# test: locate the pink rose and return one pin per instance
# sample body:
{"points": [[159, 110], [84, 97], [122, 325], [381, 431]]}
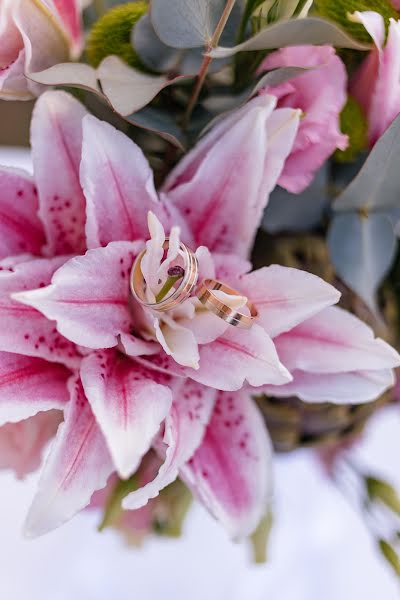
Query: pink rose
{"points": [[321, 95], [35, 35], [376, 85]]}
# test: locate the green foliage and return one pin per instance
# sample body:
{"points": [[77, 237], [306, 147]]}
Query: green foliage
{"points": [[384, 492], [390, 555], [112, 35], [337, 10], [353, 123]]}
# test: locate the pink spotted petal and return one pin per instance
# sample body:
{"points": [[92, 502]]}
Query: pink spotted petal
{"points": [[128, 404], [20, 228], [285, 297], [334, 341], [56, 136], [223, 185], [118, 184], [24, 329], [184, 431], [79, 464], [88, 296], [231, 472], [30, 385], [339, 388], [237, 356], [22, 444]]}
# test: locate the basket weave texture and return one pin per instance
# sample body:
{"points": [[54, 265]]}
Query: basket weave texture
{"points": [[291, 422]]}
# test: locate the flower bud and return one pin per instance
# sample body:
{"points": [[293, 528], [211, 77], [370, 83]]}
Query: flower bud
{"points": [[111, 34]]}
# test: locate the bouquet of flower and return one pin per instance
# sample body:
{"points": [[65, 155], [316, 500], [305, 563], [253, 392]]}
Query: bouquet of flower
{"points": [[202, 269]]}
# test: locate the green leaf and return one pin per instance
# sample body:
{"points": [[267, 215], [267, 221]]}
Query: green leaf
{"points": [[362, 250], [377, 185], [294, 32], [353, 122], [188, 23], [126, 90]]}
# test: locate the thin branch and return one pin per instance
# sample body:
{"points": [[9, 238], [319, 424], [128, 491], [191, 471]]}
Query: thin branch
{"points": [[213, 43]]}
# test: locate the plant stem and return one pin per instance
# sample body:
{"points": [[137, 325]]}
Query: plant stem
{"points": [[213, 43]]}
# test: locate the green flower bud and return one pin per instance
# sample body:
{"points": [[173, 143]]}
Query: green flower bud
{"points": [[337, 10], [353, 123], [111, 34]]}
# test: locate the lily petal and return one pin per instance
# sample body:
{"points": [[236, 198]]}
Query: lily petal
{"points": [[177, 341], [88, 296], [334, 341], [184, 432], [339, 388], [239, 356], [79, 464], [128, 404], [22, 444], [20, 228], [118, 184], [285, 297], [25, 330], [231, 471], [30, 385], [223, 185], [56, 136]]}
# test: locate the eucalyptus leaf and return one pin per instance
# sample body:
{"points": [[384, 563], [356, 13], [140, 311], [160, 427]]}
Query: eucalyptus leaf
{"points": [[297, 212], [224, 104], [69, 74], [377, 185], [126, 90], [159, 122], [294, 32], [152, 51], [186, 23], [362, 249], [159, 57]]}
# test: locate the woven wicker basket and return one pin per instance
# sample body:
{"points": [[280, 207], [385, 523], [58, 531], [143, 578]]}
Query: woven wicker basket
{"points": [[291, 422]]}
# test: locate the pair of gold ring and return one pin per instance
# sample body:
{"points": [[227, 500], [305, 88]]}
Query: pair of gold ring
{"points": [[205, 292]]}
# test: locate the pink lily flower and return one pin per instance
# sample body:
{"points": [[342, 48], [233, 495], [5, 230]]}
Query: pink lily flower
{"points": [[376, 85], [181, 383], [34, 35], [321, 95]]}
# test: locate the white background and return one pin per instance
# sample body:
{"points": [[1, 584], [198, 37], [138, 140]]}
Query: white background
{"points": [[319, 550]]}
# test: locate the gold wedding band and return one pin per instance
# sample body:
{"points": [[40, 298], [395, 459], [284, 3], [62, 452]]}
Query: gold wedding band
{"points": [[179, 295], [206, 295]]}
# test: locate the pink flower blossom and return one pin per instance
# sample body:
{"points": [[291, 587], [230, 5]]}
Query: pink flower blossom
{"points": [[376, 85], [34, 35], [181, 383], [321, 95]]}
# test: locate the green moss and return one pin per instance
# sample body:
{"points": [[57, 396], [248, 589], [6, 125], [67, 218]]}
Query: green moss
{"points": [[337, 10], [353, 123], [111, 35]]}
